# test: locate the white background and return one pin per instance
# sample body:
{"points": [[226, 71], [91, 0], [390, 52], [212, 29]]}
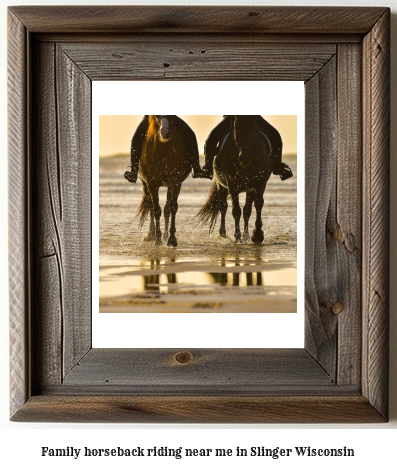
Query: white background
{"points": [[20, 443], [123, 98]]}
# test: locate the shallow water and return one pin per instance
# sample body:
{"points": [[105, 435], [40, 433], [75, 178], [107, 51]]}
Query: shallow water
{"points": [[162, 277], [130, 267]]}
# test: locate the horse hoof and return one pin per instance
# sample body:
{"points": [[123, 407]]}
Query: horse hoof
{"points": [[238, 240], [158, 242], [246, 237], [148, 238], [172, 242], [257, 237]]}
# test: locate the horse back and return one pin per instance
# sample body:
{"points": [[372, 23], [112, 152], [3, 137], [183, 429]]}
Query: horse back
{"points": [[230, 174]]}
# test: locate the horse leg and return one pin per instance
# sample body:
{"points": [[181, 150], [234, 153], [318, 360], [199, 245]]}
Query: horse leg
{"points": [[236, 212], [154, 193], [173, 209], [151, 233], [167, 213], [150, 236], [258, 235], [222, 198], [247, 210]]}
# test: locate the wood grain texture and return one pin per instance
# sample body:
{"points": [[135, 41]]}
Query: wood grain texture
{"points": [[199, 59], [48, 243], [243, 37], [199, 409], [376, 91], [18, 182], [197, 19], [229, 370], [347, 225], [321, 269], [62, 205], [74, 147], [338, 377]]}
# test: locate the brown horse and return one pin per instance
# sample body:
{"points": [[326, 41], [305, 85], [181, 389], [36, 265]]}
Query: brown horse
{"points": [[243, 164], [164, 162]]}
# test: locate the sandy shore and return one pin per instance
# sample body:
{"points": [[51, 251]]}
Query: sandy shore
{"points": [[217, 302]]}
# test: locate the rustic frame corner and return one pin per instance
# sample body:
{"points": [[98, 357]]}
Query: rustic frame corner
{"points": [[342, 55]]}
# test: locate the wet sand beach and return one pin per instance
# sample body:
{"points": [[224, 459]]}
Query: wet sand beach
{"points": [[204, 273]]}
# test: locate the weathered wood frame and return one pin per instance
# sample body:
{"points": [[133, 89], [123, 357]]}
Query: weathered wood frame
{"points": [[342, 54]]}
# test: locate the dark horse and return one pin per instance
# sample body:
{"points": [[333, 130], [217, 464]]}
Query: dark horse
{"points": [[163, 162], [243, 164]]}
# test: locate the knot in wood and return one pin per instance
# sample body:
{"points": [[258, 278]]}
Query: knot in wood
{"points": [[337, 308], [338, 235], [183, 358]]}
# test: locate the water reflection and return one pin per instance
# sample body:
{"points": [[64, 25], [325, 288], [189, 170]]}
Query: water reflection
{"points": [[162, 276], [167, 282], [237, 279], [181, 281]]}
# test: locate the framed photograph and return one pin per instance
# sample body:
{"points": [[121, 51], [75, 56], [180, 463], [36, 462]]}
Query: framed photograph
{"points": [[60, 60]]}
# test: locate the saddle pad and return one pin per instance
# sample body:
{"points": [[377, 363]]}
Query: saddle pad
{"points": [[267, 139], [223, 142]]}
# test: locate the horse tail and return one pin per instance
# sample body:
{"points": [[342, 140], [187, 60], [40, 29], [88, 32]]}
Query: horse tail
{"points": [[152, 128], [210, 211], [144, 209]]}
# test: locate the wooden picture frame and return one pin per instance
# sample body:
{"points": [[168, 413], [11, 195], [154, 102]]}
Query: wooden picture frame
{"points": [[342, 54]]}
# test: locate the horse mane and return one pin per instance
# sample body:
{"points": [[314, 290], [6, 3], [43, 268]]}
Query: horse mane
{"points": [[152, 129]]}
